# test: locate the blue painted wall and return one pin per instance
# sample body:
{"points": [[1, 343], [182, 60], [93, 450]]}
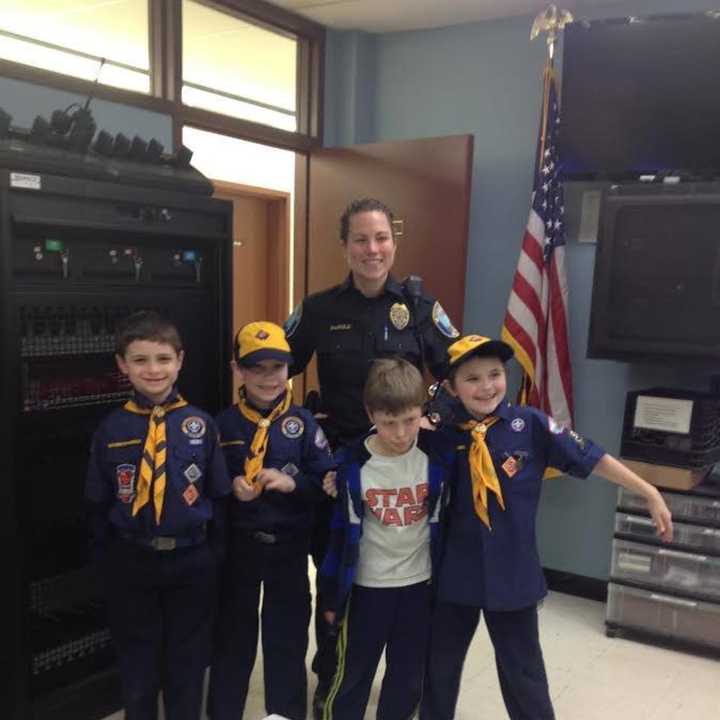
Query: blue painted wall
{"points": [[485, 79], [24, 101]]}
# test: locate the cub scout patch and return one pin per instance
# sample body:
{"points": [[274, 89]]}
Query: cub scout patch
{"points": [[518, 425], [510, 466], [442, 322], [290, 469], [194, 427], [126, 483], [192, 473], [191, 494], [321, 441], [579, 439], [292, 427]]}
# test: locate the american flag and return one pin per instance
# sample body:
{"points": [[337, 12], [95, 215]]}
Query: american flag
{"points": [[536, 321]]}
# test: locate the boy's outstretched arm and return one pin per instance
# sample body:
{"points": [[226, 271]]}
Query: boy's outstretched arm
{"points": [[614, 471]]}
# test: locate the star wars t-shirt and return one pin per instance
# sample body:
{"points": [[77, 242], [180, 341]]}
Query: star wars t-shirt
{"points": [[395, 544]]}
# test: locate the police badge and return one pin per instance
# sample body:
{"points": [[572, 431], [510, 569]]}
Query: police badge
{"points": [[399, 316]]}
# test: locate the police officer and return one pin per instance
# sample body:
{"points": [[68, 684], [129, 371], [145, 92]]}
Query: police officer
{"points": [[369, 315]]}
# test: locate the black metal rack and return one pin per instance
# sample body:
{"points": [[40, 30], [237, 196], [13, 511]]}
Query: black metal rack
{"points": [[75, 256]]}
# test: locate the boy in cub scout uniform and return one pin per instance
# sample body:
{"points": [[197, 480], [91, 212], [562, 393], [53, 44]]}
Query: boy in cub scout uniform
{"points": [[490, 561], [277, 455], [155, 477]]}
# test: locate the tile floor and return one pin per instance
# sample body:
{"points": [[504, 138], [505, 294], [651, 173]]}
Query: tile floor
{"points": [[592, 677]]}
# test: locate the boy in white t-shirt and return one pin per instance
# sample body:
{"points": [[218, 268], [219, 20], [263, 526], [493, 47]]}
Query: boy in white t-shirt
{"points": [[377, 574]]}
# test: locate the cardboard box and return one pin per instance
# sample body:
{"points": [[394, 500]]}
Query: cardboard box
{"points": [[673, 478]]}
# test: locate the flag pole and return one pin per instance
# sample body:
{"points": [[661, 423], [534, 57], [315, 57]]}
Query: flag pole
{"points": [[552, 22]]}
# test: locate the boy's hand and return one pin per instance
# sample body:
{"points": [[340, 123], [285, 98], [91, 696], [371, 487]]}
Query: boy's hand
{"points": [[329, 485], [329, 616], [243, 491], [425, 423], [272, 479], [661, 516]]}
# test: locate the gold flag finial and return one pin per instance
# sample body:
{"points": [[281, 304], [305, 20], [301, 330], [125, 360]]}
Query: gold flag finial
{"points": [[552, 21]]}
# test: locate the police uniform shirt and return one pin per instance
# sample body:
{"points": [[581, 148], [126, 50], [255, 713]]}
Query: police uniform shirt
{"points": [[349, 330], [499, 568], [195, 472], [297, 446]]}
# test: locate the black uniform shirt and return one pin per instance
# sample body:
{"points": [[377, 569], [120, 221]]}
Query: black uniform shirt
{"points": [[348, 331]]}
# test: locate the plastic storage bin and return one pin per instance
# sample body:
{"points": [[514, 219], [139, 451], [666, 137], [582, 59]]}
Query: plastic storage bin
{"points": [[666, 569], [664, 615], [694, 537], [695, 508]]}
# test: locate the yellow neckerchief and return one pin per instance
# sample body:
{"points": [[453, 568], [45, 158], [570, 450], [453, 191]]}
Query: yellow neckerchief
{"points": [[482, 470], [152, 465], [258, 447]]}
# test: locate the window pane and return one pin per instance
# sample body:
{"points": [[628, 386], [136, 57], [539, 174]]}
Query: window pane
{"points": [[237, 108], [251, 67], [73, 35]]}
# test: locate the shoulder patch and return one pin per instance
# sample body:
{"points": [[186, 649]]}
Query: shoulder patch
{"points": [[293, 322], [321, 441], [554, 426], [442, 322]]}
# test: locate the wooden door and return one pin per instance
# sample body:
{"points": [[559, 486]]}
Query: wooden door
{"points": [[261, 254], [427, 185]]}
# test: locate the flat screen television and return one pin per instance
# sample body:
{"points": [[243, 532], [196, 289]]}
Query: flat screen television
{"points": [[641, 96], [656, 285]]}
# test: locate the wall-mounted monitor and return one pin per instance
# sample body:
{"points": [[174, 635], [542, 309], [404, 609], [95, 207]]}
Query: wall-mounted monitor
{"points": [[656, 287], [641, 96]]}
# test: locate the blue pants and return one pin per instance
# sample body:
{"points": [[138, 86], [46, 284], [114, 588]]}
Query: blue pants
{"points": [[282, 570], [324, 663], [160, 607], [392, 619], [518, 659]]}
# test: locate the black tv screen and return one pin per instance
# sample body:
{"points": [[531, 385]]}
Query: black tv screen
{"points": [[656, 287], [641, 96]]}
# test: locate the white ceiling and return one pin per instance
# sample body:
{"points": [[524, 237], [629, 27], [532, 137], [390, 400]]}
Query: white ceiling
{"points": [[378, 16]]}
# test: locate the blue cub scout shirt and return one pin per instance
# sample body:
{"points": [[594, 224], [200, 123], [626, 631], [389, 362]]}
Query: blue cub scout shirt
{"points": [[298, 447], [195, 473], [499, 569]]}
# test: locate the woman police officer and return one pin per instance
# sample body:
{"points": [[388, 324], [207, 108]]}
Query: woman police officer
{"points": [[369, 315]]}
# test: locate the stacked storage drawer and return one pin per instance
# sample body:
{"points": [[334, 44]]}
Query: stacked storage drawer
{"points": [[668, 591]]}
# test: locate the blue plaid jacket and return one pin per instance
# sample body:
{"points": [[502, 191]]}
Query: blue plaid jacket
{"points": [[338, 570]]}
